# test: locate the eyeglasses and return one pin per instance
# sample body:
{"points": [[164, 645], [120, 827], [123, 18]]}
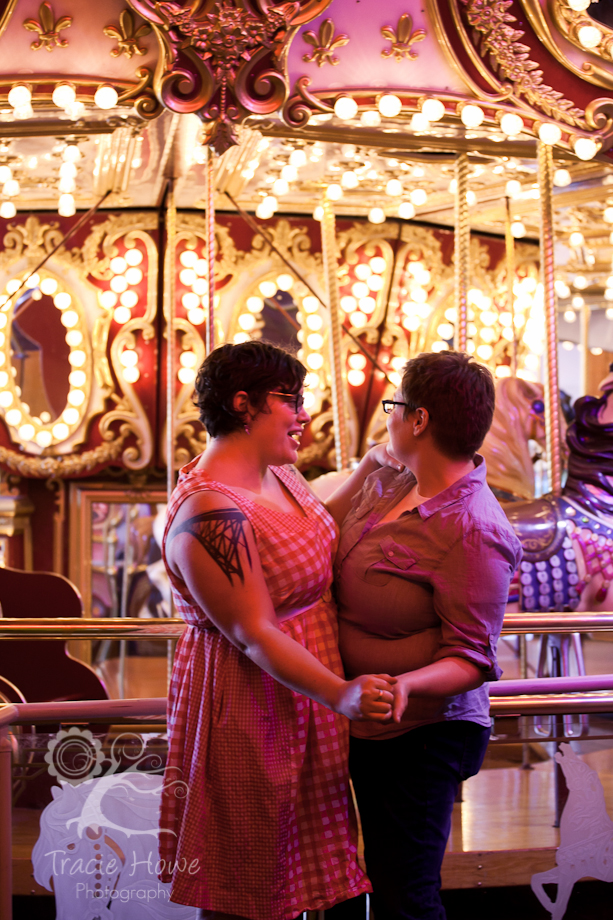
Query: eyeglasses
{"points": [[297, 397], [390, 404]]}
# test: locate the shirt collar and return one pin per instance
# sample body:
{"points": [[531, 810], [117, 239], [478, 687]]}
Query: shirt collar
{"points": [[469, 483]]}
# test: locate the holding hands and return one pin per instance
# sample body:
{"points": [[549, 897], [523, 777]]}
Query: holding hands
{"points": [[367, 698]]}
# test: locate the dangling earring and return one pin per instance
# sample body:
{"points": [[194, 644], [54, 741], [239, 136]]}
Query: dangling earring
{"points": [[247, 428]]}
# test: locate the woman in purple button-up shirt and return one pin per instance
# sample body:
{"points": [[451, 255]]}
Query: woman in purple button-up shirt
{"points": [[423, 569]]}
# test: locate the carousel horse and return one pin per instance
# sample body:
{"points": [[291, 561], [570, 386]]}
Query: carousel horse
{"points": [[586, 836], [518, 418]]}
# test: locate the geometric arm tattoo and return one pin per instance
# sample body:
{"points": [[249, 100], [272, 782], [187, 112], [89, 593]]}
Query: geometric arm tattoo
{"points": [[222, 534]]}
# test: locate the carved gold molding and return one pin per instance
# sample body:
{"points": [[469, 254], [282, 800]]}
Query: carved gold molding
{"points": [[568, 22], [500, 42], [402, 39], [224, 60], [324, 44], [48, 28]]}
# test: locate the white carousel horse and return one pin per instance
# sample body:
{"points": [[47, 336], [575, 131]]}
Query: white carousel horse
{"points": [[586, 836], [97, 850]]}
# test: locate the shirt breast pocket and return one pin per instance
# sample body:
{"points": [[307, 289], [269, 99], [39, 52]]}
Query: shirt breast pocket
{"points": [[392, 558]]}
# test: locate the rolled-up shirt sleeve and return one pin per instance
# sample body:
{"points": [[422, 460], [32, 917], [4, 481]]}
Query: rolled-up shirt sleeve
{"points": [[471, 590]]}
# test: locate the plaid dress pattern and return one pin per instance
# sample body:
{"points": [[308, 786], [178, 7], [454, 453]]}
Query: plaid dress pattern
{"points": [[257, 816]]}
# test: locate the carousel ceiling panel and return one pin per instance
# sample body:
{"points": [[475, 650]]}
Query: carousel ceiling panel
{"points": [[372, 45], [76, 40]]}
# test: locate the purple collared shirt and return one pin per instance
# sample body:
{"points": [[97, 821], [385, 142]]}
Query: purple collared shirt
{"points": [[448, 564]]}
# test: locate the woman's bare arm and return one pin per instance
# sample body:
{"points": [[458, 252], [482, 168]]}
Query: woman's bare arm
{"points": [[211, 547]]}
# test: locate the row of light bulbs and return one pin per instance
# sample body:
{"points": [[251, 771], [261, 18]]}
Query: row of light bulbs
{"points": [[471, 115], [64, 96], [120, 296]]}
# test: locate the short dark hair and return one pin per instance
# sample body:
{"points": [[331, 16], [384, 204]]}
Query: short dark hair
{"points": [[255, 367], [459, 395]]}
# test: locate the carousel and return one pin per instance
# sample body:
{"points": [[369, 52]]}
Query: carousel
{"points": [[358, 183]]}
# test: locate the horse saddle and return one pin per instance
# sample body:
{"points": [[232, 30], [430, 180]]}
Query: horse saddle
{"points": [[548, 576]]}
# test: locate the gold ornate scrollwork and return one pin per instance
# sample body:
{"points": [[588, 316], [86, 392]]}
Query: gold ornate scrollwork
{"points": [[324, 44], [500, 42], [126, 36], [402, 39], [301, 104], [224, 60], [48, 29]]}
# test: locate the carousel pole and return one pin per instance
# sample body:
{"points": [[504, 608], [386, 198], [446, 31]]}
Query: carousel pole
{"points": [[585, 347], [509, 242], [169, 274], [210, 244], [552, 401], [328, 246], [461, 251], [171, 245]]}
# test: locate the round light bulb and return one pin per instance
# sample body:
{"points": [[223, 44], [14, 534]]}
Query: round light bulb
{"points": [[66, 206], [355, 378], [280, 187], [107, 299], [562, 178], [318, 213], [608, 215], [418, 197], [585, 148], [433, 109], [135, 276], [589, 36], [6, 173], [513, 188], [550, 134], [370, 119], [133, 256], [349, 179], [196, 316], [570, 316], [62, 300], [19, 95], [71, 153], [128, 358], [394, 188], [285, 282], [472, 116], [130, 374], [271, 203], [334, 192], [518, 229], [345, 108], [389, 105], [7, 210], [376, 216], [64, 95], [511, 124], [11, 188], [406, 210], [106, 96], [576, 239], [419, 122], [268, 288], [122, 315], [298, 158]]}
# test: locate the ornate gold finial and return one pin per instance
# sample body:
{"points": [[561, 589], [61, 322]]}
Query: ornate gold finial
{"points": [[127, 38], [402, 39], [48, 30], [324, 44]]}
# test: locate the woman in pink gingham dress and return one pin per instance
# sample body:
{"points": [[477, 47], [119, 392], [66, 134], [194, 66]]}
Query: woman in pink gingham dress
{"points": [[257, 819]]}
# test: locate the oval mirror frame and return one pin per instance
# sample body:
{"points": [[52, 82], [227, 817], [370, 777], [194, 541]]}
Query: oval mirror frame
{"points": [[30, 431]]}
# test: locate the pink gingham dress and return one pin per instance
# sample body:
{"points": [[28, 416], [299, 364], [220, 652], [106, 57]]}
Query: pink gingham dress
{"points": [[257, 817]]}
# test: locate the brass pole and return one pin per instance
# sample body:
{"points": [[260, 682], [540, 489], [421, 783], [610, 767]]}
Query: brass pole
{"points": [[585, 347], [461, 251], [328, 246], [210, 255], [509, 242], [170, 271], [552, 400]]}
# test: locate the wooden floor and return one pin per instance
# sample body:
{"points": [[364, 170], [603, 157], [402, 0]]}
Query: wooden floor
{"points": [[502, 832]]}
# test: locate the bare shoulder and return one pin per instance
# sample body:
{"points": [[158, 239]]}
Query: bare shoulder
{"points": [[201, 502]]}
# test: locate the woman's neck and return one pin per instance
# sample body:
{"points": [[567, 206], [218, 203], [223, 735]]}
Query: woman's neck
{"points": [[435, 472], [235, 461]]}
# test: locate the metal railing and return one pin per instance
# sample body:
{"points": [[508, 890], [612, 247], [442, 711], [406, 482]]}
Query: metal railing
{"points": [[173, 628]]}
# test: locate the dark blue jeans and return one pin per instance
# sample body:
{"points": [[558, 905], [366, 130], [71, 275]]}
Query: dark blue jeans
{"points": [[406, 787]]}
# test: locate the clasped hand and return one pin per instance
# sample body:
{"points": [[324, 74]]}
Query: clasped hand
{"points": [[367, 698]]}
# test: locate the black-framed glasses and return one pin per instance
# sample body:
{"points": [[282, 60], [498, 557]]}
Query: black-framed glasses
{"points": [[390, 404], [297, 397]]}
